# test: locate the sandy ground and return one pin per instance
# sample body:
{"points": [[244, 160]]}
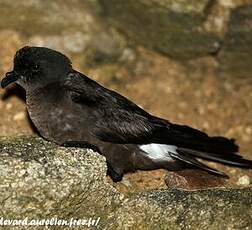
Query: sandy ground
{"points": [[193, 94]]}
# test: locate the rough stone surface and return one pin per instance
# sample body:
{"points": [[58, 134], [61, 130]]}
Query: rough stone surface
{"points": [[174, 209], [183, 6], [43, 17], [193, 179], [68, 26], [244, 180], [178, 28], [169, 26], [235, 56], [41, 180]]}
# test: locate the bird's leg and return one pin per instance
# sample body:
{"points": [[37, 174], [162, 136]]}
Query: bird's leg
{"points": [[81, 144], [115, 176]]}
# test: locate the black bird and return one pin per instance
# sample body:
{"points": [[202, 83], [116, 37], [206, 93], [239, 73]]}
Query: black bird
{"points": [[70, 109]]}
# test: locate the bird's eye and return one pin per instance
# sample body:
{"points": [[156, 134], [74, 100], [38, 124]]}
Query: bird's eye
{"points": [[35, 68]]}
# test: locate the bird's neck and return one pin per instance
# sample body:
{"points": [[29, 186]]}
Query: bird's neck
{"points": [[47, 93]]}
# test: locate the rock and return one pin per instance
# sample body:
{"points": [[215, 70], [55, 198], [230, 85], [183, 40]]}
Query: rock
{"points": [[243, 181], [235, 55], [92, 29], [71, 27], [193, 179], [169, 26], [41, 180], [174, 209], [106, 47], [44, 17], [19, 116]]}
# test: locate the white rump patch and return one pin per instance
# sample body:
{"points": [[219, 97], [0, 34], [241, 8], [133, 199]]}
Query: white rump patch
{"points": [[159, 152]]}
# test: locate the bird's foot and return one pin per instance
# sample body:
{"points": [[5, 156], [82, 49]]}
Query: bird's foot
{"points": [[115, 176]]}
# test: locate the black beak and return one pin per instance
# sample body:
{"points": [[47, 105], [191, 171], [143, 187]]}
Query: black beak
{"points": [[10, 77]]}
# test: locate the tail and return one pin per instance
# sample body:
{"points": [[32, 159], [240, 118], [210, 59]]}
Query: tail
{"points": [[188, 156], [192, 144], [191, 138]]}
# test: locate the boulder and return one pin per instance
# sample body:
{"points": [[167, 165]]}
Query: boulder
{"points": [[41, 180], [236, 52], [169, 26]]}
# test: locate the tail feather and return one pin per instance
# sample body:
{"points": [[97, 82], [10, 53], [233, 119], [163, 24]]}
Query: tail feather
{"points": [[187, 137], [231, 159], [195, 139], [198, 164], [188, 156], [192, 143]]}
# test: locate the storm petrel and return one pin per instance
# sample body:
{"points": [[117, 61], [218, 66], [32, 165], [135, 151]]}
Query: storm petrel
{"points": [[70, 109]]}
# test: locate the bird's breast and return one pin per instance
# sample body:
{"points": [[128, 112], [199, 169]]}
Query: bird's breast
{"points": [[58, 119]]}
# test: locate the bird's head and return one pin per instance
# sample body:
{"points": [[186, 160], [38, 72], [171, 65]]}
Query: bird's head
{"points": [[36, 67]]}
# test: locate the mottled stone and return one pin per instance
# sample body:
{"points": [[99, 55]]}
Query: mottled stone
{"points": [[67, 26], [193, 179], [169, 26], [243, 180], [174, 209], [41, 180], [43, 16], [235, 55]]}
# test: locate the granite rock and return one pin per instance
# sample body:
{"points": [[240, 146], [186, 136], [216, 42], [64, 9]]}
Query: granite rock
{"points": [[42, 180]]}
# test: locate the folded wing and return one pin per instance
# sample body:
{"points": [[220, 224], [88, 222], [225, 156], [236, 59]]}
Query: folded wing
{"points": [[118, 120]]}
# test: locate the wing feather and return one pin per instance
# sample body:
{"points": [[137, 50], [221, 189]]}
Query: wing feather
{"points": [[118, 119]]}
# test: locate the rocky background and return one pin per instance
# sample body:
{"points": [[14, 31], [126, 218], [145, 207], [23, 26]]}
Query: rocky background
{"points": [[186, 60]]}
